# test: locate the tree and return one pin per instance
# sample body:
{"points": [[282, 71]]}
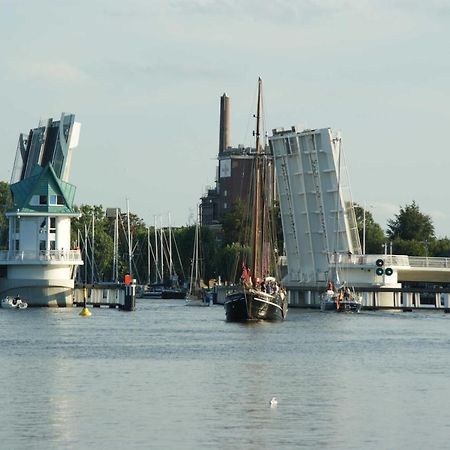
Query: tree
{"points": [[375, 237], [103, 242], [236, 224], [411, 224], [5, 204]]}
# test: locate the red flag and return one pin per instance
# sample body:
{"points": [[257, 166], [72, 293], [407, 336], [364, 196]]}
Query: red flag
{"points": [[245, 273]]}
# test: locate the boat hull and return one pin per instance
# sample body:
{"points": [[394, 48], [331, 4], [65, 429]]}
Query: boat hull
{"points": [[173, 294], [342, 306], [247, 306]]}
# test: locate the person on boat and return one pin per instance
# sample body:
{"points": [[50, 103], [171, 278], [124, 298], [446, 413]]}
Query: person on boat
{"points": [[330, 287], [347, 293], [338, 300]]}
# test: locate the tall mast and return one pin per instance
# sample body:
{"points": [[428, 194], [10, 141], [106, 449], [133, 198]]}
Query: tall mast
{"points": [[92, 247], [148, 255], [170, 249], [161, 236], [129, 241], [156, 252], [256, 191]]}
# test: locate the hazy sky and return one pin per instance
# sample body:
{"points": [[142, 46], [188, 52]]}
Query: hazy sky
{"points": [[144, 78]]}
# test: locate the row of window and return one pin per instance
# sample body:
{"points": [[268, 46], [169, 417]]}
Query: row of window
{"points": [[52, 200], [42, 245]]}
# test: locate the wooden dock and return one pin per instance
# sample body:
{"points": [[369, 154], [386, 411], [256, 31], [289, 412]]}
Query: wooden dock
{"points": [[109, 295]]}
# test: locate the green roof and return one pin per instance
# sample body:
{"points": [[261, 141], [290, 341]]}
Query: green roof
{"points": [[43, 182]]}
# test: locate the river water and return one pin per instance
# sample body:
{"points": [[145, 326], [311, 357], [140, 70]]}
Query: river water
{"points": [[169, 376]]}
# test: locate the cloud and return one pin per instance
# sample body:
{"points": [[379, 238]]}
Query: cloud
{"points": [[248, 9], [60, 72]]}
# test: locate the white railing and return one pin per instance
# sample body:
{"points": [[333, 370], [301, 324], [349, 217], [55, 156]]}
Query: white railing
{"points": [[43, 255], [391, 260], [422, 261]]}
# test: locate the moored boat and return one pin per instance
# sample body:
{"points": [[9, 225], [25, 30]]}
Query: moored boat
{"points": [[341, 300], [13, 303]]}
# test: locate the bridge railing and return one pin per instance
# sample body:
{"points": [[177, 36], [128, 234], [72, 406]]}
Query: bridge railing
{"points": [[42, 255], [391, 260]]}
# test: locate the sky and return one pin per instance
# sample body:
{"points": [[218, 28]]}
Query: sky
{"points": [[144, 78]]}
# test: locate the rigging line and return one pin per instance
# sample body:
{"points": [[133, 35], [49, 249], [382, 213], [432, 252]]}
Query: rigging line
{"points": [[179, 257], [154, 258], [251, 116]]}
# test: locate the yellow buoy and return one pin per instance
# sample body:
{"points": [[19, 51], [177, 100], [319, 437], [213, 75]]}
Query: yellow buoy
{"points": [[85, 312]]}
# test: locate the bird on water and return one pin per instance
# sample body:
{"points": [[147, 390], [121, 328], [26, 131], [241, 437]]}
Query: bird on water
{"points": [[273, 402]]}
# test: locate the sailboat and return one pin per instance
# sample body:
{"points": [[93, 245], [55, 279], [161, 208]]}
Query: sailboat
{"points": [[339, 296], [260, 296], [196, 293]]}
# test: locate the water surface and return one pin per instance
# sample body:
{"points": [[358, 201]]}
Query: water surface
{"points": [[169, 376]]}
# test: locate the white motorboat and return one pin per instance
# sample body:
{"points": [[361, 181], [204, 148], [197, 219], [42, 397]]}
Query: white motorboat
{"points": [[13, 302]]}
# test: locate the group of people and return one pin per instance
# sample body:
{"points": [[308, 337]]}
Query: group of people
{"points": [[270, 287], [343, 292]]}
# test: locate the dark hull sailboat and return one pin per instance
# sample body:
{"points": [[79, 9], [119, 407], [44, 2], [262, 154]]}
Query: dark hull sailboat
{"points": [[251, 304], [261, 296]]}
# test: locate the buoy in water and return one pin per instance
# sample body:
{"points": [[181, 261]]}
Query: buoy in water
{"points": [[85, 312]]}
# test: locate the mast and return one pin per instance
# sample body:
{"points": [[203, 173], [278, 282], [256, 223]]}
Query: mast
{"points": [[156, 252], [148, 256], [92, 248], [170, 249], [161, 236], [129, 240], [256, 192]]}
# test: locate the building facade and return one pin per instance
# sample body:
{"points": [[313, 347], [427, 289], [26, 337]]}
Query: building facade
{"points": [[40, 263]]}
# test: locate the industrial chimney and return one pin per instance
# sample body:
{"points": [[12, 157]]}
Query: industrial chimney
{"points": [[224, 130]]}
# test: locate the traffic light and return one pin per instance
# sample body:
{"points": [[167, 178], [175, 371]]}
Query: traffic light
{"points": [[380, 271]]}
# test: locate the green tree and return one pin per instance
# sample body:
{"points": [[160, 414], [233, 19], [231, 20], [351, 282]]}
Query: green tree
{"points": [[230, 260], [375, 237], [103, 242], [410, 247], [236, 224], [5, 204], [411, 224], [440, 247]]}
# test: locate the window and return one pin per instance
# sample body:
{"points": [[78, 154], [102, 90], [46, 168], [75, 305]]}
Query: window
{"points": [[42, 245], [42, 199], [55, 199], [225, 206], [17, 225], [225, 193], [52, 225], [16, 245], [52, 245]]}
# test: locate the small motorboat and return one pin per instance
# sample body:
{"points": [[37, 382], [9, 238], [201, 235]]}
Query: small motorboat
{"points": [[13, 302]]}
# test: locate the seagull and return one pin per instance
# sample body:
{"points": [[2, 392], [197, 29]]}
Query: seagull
{"points": [[273, 402]]}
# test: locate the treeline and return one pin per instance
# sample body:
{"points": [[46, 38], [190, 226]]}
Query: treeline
{"points": [[410, 232], [93, 232]]}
